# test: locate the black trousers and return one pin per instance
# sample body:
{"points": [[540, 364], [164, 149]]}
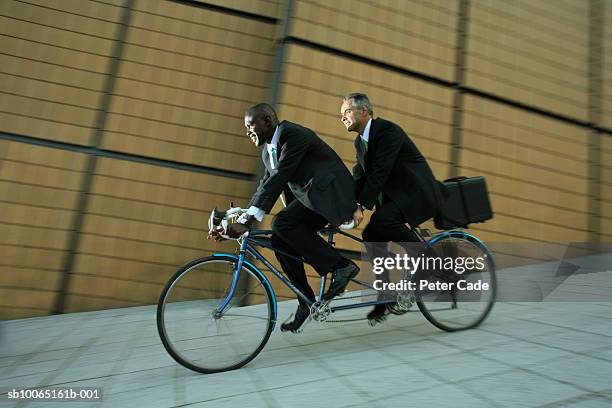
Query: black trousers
{"points": [[386, 225], [294, 230]]}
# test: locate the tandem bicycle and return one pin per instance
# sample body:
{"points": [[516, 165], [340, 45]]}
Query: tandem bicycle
{"points": [[217, 313]]}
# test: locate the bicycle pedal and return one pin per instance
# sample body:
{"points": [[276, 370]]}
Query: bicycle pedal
{"points": [[286, 321], [374, 322], [327, 302], [396, 309], [301, 329]]}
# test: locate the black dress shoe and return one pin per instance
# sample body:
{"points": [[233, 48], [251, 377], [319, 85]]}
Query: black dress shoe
{"points": [[340, 280], [301, 314], [377, 315]]}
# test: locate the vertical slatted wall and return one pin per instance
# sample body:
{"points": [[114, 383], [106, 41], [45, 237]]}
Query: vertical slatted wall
{"points": [[172, 144], [185, 76], [54, 58]]}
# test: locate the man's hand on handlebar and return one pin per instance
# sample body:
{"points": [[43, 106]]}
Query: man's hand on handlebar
{"points": [[217, 235], [358, 216], [235, 230]]}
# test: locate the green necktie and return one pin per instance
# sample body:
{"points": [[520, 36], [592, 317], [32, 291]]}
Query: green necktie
{"points": [[274, 158], [364, 143]]}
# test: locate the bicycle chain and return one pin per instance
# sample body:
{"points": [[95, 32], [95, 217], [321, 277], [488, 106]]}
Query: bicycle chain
{"points": [[350, 320], [357, 319], [345, 320]]}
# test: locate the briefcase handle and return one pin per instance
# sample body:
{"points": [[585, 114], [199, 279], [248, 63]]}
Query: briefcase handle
{"points": [[443, 188], [460, 178], [446, 193]]}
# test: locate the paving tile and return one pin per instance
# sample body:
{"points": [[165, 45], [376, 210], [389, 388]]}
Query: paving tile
{"points": [[521, 353], [525, 354], [249, 400], [520, 389], [585, 372], [380, 383], [437, 396], [324, 394], [573, 340], [590, 401], [461, 366]]}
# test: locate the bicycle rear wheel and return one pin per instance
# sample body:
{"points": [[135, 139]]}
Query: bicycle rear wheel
{"points": [[204, 327], [459, 298]]}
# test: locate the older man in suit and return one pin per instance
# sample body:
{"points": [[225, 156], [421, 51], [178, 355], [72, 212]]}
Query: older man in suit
{"points": [[319, 190], [392, 175]]}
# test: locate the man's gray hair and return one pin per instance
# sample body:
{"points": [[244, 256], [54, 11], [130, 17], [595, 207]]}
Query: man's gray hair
{"points": [[359, 100], [262, 109]]}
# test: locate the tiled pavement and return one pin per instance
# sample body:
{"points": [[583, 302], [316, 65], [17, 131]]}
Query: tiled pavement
{"points": [[525, 355]]}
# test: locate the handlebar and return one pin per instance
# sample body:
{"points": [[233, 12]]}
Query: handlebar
{"points": [[221, 220]]}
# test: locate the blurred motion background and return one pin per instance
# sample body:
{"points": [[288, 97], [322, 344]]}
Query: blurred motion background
{"points": [[121, 122]]}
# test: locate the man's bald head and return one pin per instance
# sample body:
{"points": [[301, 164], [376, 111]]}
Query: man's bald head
{"points": [[264, 110], [260, 122]]}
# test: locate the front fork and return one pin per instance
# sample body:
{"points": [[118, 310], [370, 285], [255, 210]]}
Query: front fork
{"points": [[218, 313]]}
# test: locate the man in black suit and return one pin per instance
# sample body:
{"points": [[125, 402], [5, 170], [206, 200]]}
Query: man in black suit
{"points": [[391, 175], [319, 190]]}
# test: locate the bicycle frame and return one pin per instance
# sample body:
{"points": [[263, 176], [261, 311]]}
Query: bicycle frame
{"points": [[247, 246]]}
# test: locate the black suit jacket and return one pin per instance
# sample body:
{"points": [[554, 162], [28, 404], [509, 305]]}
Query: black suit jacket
{"points": [[394, 166], [311, 171]]}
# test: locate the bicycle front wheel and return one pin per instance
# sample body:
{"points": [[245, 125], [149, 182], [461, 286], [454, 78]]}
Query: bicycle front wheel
{"points": [[211, 319], [457, 297]]}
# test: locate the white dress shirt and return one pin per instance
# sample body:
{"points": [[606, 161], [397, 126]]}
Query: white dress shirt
{"points": [[366, 132], [258, 212]]}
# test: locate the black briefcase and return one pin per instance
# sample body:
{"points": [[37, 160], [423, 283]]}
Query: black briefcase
{"points": [[466, 200]]}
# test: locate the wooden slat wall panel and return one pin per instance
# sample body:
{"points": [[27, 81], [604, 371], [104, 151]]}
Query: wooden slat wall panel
{"points": [[606, 94], [185, 78], [54, 57], [202, 17], [312, 97], [411, 34], [534, 53], [188, 76], [268, 8], [81, 7], [38, 196], [142, 223], [536, 169], [606, 188]]}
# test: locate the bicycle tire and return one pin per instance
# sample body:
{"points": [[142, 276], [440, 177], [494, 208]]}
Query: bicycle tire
{"points": [[445, 315], [185, 310]]}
